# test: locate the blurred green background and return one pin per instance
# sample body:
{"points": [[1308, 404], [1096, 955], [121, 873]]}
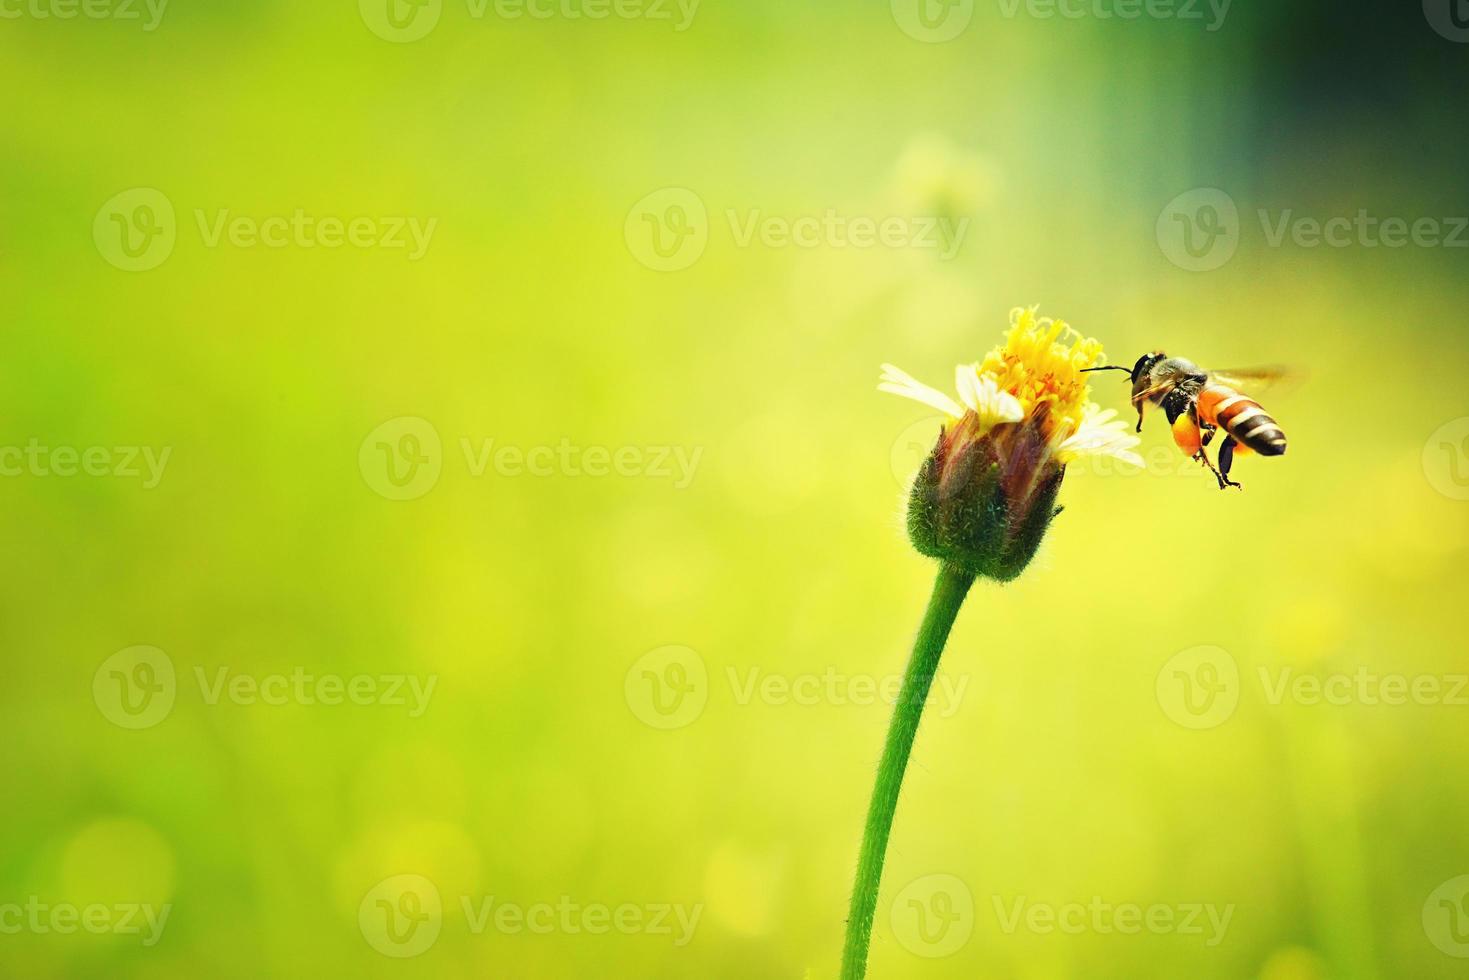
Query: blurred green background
{"points": [[654, 692]]}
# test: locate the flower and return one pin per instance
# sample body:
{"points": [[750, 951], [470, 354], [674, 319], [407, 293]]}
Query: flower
{"points": [[986, 494], [934, 176]]}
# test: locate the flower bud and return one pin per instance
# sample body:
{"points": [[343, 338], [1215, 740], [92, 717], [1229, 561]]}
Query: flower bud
{"points": [[982, 502], [986, 494]]}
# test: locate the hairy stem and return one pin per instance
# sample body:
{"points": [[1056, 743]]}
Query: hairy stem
{"points": [[948, 595]]}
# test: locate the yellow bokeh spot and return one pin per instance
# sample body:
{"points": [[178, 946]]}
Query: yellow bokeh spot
{"points": [[740, 886], [438, 850], [117, 861], [1293, 963], [412, 778], [1308, 628]]}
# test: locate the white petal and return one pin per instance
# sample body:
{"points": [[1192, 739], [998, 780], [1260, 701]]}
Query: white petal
{"points": [[1003, 406], [965, 383], [1101, 435], [898, 382], [1129, 457], [984, 397]]}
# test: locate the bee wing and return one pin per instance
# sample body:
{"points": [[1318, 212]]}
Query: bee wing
{"points": [[1147, 393], [1275, 378]]}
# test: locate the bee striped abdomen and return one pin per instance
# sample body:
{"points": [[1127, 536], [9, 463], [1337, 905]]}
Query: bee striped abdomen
{"points": [[1243, 418]]}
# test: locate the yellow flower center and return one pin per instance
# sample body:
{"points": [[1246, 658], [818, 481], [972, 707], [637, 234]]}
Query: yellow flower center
{"points": [[1040, 363]]}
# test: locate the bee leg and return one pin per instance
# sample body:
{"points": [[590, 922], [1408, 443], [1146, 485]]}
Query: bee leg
{"points": [[1139, 405], [1226, 460], [1208, 431], [1203, 457]]}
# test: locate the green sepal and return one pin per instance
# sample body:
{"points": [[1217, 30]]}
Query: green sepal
{"points": [[958, 512]]}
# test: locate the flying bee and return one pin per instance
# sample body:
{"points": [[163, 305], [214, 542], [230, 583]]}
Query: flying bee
{"points": [[1198, 403]]}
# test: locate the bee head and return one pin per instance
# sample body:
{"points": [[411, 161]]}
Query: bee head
{"points": [[1145, 364], [1139, 370]]}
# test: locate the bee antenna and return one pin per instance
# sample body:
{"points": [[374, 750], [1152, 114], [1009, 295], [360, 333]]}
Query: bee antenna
{"points": [[1109, 367]]}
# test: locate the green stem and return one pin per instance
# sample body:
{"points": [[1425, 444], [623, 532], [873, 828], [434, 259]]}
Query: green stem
{"points": [[948, 595]]}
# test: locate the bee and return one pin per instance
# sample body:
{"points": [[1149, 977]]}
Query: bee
{"points": [[1198, 403]]}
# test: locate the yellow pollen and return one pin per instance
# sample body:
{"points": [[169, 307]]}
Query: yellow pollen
{"points": [[1041, 362]]}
